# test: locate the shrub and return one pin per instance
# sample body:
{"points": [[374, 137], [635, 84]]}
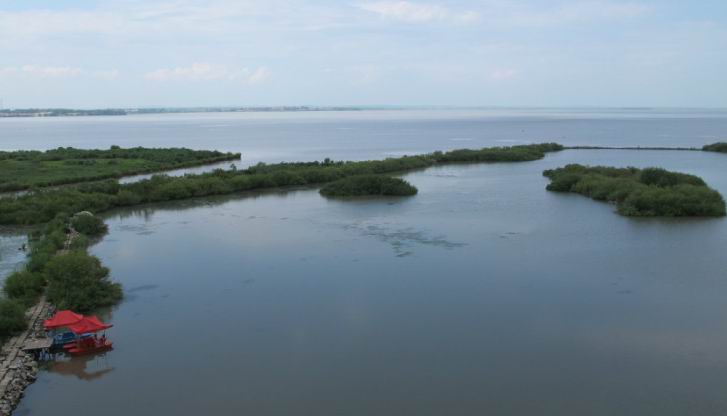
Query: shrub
{"points": [[24, 286], [89, 225], [649, 192], [664, 178], [12, 317], [368, 185], [79, 282]]}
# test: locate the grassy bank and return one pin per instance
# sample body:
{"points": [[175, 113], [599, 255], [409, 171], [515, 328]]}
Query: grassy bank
{"points": [[43, 205], [26, 169], [368, 185], [650, 192]]}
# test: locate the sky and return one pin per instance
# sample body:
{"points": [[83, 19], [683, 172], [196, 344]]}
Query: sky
{"points": [[541, 53]]}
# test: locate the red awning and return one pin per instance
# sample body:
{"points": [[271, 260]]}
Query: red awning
{"points": [[62, 318], [87, 325]]}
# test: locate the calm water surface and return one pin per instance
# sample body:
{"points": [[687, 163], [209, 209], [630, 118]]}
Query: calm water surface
{"points": [[483, 294]]}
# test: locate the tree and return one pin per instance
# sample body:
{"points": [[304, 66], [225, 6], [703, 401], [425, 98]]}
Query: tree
{"points": [[78, 281]]}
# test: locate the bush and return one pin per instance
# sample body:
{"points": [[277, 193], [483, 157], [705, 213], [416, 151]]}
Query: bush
{"points": [[368, 185], [89, 225], [12, 317], [651, 192], [663, 178], [80, 242], [24, 286], [79, 282]]}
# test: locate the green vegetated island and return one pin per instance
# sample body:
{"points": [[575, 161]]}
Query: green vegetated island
{"points": [[26, 169], [650, 192], [77, 280]]}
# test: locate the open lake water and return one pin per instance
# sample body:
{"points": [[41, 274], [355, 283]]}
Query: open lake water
{"points": [[483, 294]]}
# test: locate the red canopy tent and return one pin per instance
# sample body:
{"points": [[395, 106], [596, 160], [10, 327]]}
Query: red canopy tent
{"points": [[87, 325], [62, 318]]}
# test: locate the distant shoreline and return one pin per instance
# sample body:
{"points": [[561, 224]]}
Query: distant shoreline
{"points": [[67, 112], [70, 112]]}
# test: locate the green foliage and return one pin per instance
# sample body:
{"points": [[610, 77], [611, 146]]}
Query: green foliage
{"points": [[12, 317], [80, 242], [89, 225], [720, 147], [663, 178], [24, 286], [27, 169], [42, 206], [74, 280], [368, 185], [521, 153], [651, 192], [79, 282]]}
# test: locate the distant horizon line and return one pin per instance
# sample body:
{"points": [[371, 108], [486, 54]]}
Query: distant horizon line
{"points": [[310, 107]]}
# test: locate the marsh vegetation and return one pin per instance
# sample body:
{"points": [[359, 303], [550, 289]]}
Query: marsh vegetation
{"points": [[26, 169], [43, 205], [651, 192], [368, 185]]}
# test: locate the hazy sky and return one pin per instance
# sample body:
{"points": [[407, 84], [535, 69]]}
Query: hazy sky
{"points": [[106, 53]]}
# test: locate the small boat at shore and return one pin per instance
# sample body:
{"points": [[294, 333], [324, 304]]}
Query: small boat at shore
{"points": [[90, 345], [65, 338], [82, 338]]}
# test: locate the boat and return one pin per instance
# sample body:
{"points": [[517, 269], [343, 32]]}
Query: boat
{"points": [[87, 342], [91, 345], [64, 338]]}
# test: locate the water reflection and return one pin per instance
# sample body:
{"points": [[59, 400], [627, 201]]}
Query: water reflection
{"points": [[86, 368]]}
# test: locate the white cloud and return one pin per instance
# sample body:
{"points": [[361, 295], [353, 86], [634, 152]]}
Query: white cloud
{"points": [[40, 71], [109, 75], [416, 12], [9, 70], [259, 75], [366, 74], [51, 71], [195, 72], [501, 74], [168, 19], [577, 12], [209, 72]]}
